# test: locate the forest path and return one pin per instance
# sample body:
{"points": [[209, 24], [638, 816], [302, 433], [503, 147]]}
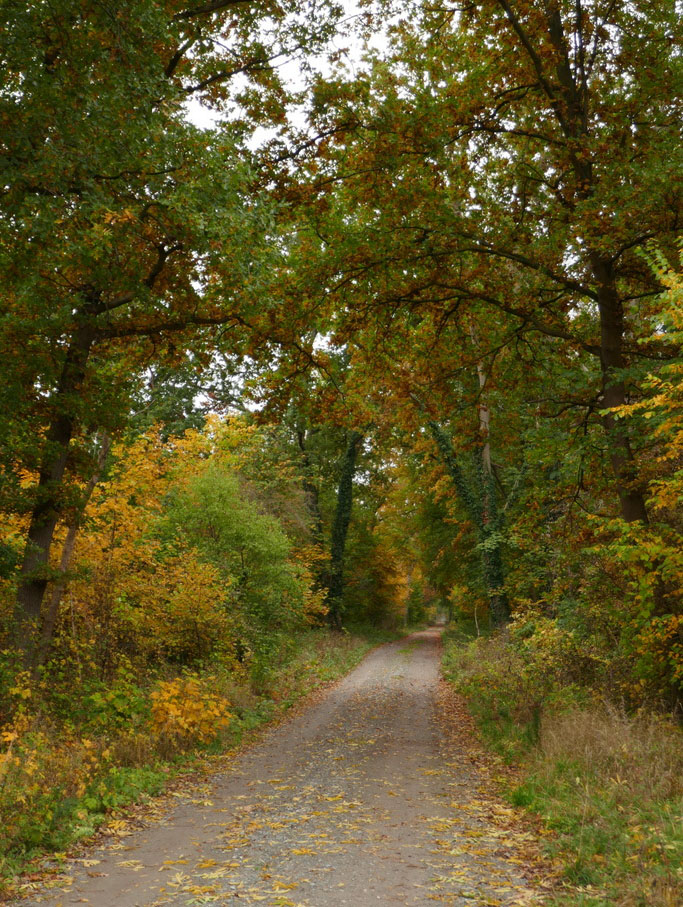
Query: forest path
{"points": [[363, 799]]}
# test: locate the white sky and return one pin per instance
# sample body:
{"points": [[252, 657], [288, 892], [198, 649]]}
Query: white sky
{"points": [[291, 70]]}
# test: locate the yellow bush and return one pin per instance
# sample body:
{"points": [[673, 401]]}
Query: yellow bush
{"points": [[185, 709]]}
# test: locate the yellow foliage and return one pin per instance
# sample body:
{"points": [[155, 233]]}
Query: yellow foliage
{"points": [[186, 709], [33, 767], [664, 403], [307, 559], [129, 595], [137, 594]]}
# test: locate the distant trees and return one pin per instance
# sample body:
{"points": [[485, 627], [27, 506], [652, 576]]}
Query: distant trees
{"points": [[477, 210]]}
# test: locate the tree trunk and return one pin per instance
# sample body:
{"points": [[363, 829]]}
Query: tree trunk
{"points": [[310, 489], [490, 541], [492, 557], [50, 619], [571, 108], [342, 517], [499, 606], [631, 496], [482, 509], [33, 575]]}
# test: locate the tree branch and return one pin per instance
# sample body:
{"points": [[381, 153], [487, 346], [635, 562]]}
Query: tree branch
{"points": [[174, 62], [165, 327], [537, 64], [567, 282], [213, 7]]}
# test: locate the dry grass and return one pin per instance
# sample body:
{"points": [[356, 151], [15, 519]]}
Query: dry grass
{"points": [[611, 784], [133, 749], [641, 755]]}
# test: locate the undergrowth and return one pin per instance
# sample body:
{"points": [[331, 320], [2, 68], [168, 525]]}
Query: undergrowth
{"points": [[608, 780], [67, 763]]}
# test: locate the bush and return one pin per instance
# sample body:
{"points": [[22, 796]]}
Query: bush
{"points": [[186, 711]]}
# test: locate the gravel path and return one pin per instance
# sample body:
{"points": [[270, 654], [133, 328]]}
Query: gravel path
{"points": [[362, 799]]}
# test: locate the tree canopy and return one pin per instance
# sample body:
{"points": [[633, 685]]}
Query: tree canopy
{"points": [[434, 272]]}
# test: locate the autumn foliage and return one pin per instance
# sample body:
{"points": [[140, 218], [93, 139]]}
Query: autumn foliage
{"points": [[402, 341]]}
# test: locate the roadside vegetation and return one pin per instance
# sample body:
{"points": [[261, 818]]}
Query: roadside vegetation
{"points": [[66, 770], [606, 778], [191, 611]]}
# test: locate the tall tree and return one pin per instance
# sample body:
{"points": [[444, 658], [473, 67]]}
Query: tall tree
{"points": [[340, 528], [522, 150], [482, 510], [123, 225]]}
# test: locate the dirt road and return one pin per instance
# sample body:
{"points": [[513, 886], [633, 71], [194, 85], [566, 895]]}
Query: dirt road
{"points": [[360, 800]]}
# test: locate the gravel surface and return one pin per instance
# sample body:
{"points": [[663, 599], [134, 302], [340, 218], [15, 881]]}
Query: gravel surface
{"points": [[362, 799]]}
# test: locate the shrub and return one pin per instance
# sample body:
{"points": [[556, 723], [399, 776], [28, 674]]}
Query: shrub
{"points": [[187, 711]]}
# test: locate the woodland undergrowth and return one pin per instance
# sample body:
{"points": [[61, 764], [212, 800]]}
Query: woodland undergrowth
{"points": [[603, 775], [64, 771]]}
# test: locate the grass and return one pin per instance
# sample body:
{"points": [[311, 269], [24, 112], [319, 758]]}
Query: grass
{"points": [[608, 783], [611, 787], [410, 647]]}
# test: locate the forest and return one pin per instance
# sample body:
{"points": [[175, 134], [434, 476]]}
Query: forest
{"points": [[321, 321]]}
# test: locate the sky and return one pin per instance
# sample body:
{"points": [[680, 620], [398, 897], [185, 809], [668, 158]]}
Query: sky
{"points": [[291, 69]]}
